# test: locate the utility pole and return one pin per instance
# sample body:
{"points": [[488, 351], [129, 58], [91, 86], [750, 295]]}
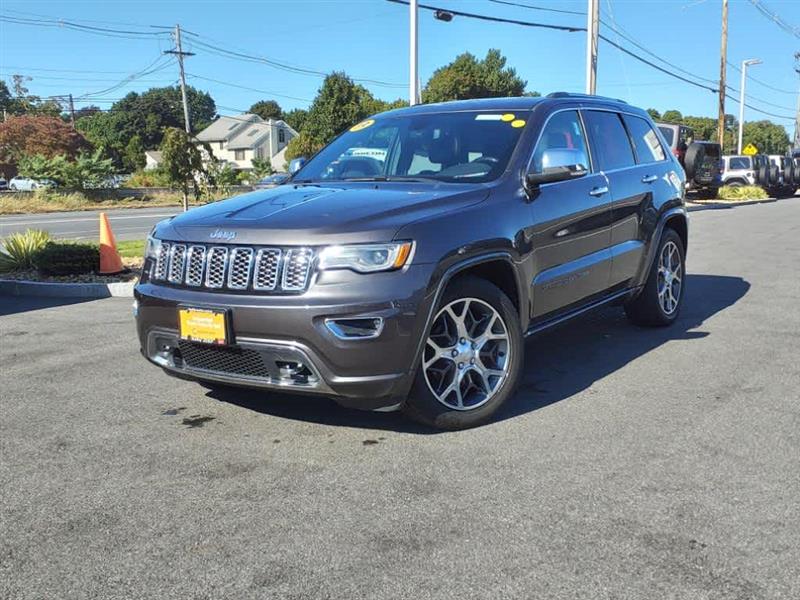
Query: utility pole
{"points": [[797, 117], [72, 111], [592, 31], [745, 64], [180, 54], [723, 62], [413, 56]]}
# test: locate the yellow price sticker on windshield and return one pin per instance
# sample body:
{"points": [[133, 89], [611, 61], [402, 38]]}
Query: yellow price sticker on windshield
{"points": [[362, 125], [518, 123], [508, 117]]}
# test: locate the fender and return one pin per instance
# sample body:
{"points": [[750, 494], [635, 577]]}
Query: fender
{"points": [[447, 276], [653, 246]]}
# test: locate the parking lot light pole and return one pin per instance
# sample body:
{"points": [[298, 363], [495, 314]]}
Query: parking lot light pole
{"points": [[745, 64]]}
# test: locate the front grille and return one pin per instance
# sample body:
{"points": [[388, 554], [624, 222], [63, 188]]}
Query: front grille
{"points": [[223, 359], [238, 268]]}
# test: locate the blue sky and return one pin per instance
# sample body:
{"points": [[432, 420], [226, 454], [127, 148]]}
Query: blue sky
{"points": [[369, 39]]}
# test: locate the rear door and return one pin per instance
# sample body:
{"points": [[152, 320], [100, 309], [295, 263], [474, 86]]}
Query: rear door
{"points": [[572, 224], [633, 164]]}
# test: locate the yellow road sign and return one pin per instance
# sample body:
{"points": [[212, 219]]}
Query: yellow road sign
{"points": [[750, 150]]}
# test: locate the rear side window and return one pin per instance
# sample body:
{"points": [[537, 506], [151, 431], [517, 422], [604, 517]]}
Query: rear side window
{"points": [[610, 142], [668, 133], [738, 162], [645, 141]]}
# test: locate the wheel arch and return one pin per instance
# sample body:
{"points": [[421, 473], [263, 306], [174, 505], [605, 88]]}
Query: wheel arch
{"points": [[675, 218]]}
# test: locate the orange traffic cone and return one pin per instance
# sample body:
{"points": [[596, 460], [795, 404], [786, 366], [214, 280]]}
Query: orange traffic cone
{"points": [[110, 262]]}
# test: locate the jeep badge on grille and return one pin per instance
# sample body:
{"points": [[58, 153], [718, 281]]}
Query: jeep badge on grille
{"points": [[221, 234]]}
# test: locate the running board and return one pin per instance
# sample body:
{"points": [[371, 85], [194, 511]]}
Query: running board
{"points": [[579, 311]]}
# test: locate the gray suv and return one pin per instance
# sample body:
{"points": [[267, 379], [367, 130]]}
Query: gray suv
{"points": [[403, 265]]}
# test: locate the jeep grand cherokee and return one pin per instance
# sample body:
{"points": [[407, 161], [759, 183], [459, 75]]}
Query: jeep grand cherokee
{"points": [[403, 265]]}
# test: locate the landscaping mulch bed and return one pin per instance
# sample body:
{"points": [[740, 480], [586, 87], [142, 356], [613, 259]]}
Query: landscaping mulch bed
{"points": [[34, 275]]}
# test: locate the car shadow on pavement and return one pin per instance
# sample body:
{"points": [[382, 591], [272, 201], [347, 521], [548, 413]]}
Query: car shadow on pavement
{"points": [[10, 305], [559, 363]]}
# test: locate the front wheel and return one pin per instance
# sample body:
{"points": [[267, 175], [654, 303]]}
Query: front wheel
{"points": [[472, 358], [660, 300]]}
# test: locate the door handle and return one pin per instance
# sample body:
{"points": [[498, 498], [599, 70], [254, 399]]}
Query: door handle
{"points": [[598, 191], [649, 178]]}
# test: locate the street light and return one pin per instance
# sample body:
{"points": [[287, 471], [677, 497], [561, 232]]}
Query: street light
{"points": [[745, 64]]}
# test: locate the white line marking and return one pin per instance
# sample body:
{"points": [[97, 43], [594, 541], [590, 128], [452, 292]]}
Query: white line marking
{"points": [[54, 222]]}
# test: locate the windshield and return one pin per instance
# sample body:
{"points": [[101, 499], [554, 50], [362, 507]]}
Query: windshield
{"points": [[453, 147]]}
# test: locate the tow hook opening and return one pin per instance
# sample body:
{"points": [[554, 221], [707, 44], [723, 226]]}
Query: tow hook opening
{"points": [[355, 328], [294, 372]]}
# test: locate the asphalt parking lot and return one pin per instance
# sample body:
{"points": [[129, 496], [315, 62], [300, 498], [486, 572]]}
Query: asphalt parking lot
{"points": [[632, 463]]}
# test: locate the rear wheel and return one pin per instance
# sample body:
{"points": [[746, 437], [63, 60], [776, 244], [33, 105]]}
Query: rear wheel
{"points": [[472, 358], [660, 301]]}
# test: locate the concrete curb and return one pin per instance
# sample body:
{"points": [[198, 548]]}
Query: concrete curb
{"points": [[122, 289], [729, 203]]}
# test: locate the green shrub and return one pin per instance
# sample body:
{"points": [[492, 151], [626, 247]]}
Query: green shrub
{"points": [[150, 178], [58, 258], [21, 250], [744, 192]]}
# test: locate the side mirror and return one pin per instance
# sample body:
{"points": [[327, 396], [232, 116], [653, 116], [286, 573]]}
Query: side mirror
{"points": [[558, 164], [296, 164]]}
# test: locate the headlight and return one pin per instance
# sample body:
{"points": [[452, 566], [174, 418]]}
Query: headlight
{"points": [[152, 248], [366, 258]]}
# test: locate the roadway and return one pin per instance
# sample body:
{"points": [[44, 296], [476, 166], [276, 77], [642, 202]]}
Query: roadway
{"points": [[127, 224]]}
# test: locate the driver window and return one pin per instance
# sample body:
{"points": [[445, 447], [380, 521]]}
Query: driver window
{"points": [[563, 131]]}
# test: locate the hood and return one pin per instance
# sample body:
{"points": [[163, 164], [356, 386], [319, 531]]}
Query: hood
{"points": [[318, 214]]}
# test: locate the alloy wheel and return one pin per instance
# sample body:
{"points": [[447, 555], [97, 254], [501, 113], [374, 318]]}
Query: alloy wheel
{"points": [[467, 354], [670, 278]]}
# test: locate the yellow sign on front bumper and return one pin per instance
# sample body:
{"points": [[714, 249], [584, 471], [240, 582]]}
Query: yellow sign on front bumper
{"points": [[203, 325]]}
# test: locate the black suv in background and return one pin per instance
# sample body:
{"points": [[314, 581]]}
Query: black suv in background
{"points": [[404, 264], [701, 161]]}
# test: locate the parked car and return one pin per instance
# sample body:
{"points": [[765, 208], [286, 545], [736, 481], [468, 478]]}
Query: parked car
{"points": [[3, 184], [26, 184], [702, 161], [272, 180], [411, 282], [739, 170], [786, 180]]}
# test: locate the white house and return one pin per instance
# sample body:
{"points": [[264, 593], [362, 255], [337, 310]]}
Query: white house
{"points": [[237, 140], [152, 159]]}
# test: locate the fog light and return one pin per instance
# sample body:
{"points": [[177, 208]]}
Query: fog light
{"points": [[359, 328], [293, 372]]}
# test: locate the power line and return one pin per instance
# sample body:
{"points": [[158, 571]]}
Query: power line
{"points": [[541, 8], [244, 87], [762, 8], [62, 24], [766, 85]]}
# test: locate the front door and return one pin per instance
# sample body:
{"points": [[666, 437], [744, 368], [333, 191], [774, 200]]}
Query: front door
{"points": [[572, 230]]}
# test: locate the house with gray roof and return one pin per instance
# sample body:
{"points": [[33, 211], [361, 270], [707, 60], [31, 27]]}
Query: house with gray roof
{"points": [[238, 139]]}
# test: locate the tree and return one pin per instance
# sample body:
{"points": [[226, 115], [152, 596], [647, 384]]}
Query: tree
{"points": [[654, 114], [765, 135], [267, 109], [182, 161], [134, 158], [262, 167], [86, 170], [296, 118], [145, 115], [29, 135], [672, 116], [467, 77], [87, 111]]}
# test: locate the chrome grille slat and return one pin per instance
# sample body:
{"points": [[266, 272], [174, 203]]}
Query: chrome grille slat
{"points": [[238, 268], [296, 269], [241, 259], [215, 267], [265, 274], [177, 260], [162, 262], [195, 265]]}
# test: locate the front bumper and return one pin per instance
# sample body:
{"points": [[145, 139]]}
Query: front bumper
{"points": [[283, 343]]}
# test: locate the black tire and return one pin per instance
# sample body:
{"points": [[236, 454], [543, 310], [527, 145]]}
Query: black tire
{"points": [[646, 309], [695, 155], [774, 175], [423, 406]]}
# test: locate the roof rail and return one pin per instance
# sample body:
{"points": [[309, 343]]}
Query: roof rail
{"points": [[585, 96]]}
